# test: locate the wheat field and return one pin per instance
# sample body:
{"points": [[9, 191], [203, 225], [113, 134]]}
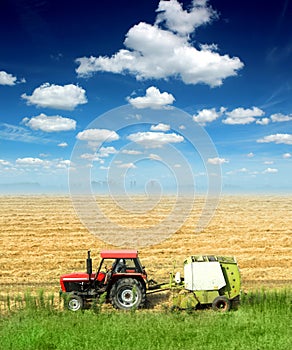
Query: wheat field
{"points": [[42, 238]]}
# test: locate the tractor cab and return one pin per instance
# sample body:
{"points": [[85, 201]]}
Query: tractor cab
{"points": [[119, 262]]}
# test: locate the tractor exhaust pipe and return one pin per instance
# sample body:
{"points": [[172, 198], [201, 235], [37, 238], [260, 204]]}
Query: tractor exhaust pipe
{"points": [[89, 264]]}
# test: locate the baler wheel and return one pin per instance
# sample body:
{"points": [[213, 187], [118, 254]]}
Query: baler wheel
{"points": [[221, 303], [128, 293], [75, 303]]}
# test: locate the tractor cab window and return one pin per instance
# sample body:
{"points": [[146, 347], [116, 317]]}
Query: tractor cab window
{"points": [[120, 266], [123, 265], [130, 265]]}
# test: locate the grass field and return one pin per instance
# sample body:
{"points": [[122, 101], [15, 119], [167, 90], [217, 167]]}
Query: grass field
{"points": [[263, 322]]}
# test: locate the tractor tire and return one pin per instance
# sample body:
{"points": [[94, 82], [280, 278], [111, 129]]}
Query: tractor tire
{"points": [[127, 294], [221, 304], [74, 303]]}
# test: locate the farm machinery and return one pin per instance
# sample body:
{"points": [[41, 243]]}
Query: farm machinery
{"points": [[209, 280]]}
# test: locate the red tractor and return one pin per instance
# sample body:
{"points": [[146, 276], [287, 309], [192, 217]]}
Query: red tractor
{"points": [[123, 283]]}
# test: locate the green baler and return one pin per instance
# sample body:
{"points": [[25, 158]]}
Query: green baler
{"points": [[208, 280]]}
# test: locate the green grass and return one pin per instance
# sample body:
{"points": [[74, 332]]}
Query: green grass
{"points": [[263, 322]]}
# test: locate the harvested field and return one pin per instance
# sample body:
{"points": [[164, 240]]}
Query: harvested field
{"points": [[42, 238]]}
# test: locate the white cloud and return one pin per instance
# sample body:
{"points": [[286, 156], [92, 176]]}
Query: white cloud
{"points": [[4, 162], [160, 127], [127, 166], [90, 156], [31, 161], [237, 171], [104, 152], [154, 156], [263, 121], [97, 135], [268, 162], [208, 115], [152, 52], [63, 144], [40, 166], [287, 155], [131, 152], [154, 139], [183, 22], [270, 171], [279, 117], [243, 116], [250, 155], [50, 124], [277, 138], [7, 78], [65, 97], [217, 161], [153, 99], [63, 164]]}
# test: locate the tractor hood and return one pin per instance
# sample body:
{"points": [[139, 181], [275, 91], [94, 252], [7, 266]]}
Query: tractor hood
{"points": [[78, 277]]}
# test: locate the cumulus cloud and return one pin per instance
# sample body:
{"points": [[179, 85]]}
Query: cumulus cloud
{"points": [[50, 124], [277, 138], [217, 161], [90, 156], [131, 152], [165, 50], [184, 22], [153, 99], [279, 117], [63, 144], [154, 139], [263, 121], [208, 115], [9, 79], [243, 116], [160, 127], [154, 156], [97, 135], [237, 171], [30, 161], [63, 164], [270, 171], [127, 166], [287, 155], [4, 162], [250, 155], [104, 152], [65, 97]]}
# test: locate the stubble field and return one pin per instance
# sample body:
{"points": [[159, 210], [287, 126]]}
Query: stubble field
{"points": [[42, 238]]}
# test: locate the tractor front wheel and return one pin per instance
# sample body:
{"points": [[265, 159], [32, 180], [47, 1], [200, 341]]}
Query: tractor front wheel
{"points": [[75, 303], [128, 293], [221, 303]]}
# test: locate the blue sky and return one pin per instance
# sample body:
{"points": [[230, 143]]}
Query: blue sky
{"points": [[65, 66]]}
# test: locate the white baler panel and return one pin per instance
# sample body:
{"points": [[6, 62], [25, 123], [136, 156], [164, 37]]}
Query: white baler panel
{"points": [[203, 276]]}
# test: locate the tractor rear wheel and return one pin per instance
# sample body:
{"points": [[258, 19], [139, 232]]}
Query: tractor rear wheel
{"points": [[75, 303], [221, 303], [128, 293]]}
